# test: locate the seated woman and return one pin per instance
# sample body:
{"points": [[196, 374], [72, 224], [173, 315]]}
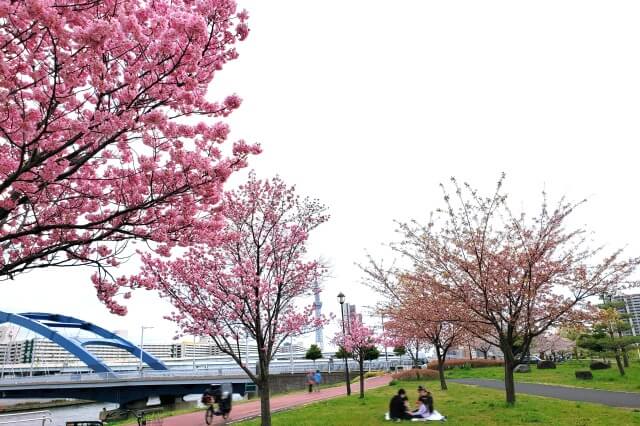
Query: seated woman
{"points": [[421, 412], [425, 409]]}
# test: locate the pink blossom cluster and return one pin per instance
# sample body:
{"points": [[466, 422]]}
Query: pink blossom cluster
{"points": [[95, 147], [356, 338]]}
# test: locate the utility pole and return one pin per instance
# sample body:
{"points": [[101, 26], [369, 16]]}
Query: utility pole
{"points": [[386, 356], [246, 347], [291, 353], [142, 329], [193, 348], [7, 351]]}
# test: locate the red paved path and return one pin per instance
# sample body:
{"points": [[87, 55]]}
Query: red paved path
{"points": [[278, 403]]}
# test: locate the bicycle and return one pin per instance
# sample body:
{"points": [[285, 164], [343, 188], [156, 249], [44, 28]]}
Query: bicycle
{"points": [[148, 417], [223, 409]]}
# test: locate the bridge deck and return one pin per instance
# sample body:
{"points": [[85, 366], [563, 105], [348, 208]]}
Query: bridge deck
{"points": [[154, 378]]}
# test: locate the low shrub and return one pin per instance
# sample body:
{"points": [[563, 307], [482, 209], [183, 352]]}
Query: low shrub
{"points": [[584, 375], [416, 374], [369, 374], [466, 363], [544, 365], [393, 382], [599, 365]]}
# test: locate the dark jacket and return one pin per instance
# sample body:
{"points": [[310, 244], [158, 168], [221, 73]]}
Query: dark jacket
{"points": [[396, 407]]}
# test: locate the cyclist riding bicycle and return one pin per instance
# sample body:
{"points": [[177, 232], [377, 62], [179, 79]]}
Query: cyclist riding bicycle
{"points": [[219, 402]]}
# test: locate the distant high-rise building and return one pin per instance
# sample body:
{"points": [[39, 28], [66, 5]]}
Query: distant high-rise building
{"points": [[350, 314], [632, 308]]}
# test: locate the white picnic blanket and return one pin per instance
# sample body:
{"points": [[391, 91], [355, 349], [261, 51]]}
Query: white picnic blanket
{"points": [[435, 416]]}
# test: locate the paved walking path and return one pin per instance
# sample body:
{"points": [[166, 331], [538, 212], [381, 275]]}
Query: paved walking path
{"points": [[614, 399], [278, 403]]}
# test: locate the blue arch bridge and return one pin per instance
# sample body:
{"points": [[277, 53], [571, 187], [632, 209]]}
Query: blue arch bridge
{"points": [[130, 390]]}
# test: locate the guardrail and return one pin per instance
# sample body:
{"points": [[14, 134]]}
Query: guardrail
{"points": [[200, 372], [117, 377], [36, 416]]}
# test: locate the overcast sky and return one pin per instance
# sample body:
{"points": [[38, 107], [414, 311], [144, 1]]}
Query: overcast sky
{"points": [[369, 105]]}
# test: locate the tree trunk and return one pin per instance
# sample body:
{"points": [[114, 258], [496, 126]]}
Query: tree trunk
{"points": [[443, 383], [265, 395], [509, 384], [484, 353], [625, 357], [470, 356], [361, 378], [441, 358], [619, 362], [347, 377]]}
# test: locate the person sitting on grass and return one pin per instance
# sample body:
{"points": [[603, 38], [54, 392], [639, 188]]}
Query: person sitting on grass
{"points": [[397, 407], [421, 412], [425, 409]]}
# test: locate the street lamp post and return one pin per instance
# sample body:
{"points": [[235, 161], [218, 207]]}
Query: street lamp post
{"points": [[386, 356], [246, 347], [346, 361], [142, 329], [291, 353], [193, 348]]}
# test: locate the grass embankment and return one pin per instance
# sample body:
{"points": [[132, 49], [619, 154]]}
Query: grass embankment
{"points": [[564, 374], [464, 405], [171, 413], [33, 406], [161, 415]]}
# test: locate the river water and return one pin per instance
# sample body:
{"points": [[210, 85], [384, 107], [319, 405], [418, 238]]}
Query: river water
{"points": [[61, 415]]}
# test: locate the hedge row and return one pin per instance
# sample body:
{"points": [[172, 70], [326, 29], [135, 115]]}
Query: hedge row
{"points": [[415, 374], [472, 363]]}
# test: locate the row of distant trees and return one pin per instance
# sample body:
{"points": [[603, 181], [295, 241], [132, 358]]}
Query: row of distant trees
{"points": [[314, 353]]}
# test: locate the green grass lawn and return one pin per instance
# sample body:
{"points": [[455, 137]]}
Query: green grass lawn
{"points": [[564, 374], [463, 405]]}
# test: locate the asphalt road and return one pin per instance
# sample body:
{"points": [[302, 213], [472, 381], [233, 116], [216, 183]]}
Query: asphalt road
{"points": [[614, 399]]}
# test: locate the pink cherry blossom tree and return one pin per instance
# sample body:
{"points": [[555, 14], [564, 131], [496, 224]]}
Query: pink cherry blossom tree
{"points": [[249, 278], [481, 346], [417, 314], [409, 325], [513, 275], [95, 147], [357, 339], [552, 344]]}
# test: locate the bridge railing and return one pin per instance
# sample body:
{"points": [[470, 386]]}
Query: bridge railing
{"points": [[126, 376], [30, 417], [203, 371]]}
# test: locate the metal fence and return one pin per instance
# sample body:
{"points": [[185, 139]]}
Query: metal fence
{"points": [[41, 417], [202, 371]]}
